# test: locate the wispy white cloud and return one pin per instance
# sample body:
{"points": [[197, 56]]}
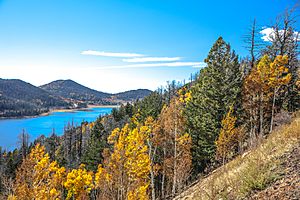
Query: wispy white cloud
{"points": [[268, 34], [201, 65], [151, 59], [111, 54], [148, 65], [142, 60]]}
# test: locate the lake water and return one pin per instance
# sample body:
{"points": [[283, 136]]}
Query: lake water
{"points": [[11, 128]]}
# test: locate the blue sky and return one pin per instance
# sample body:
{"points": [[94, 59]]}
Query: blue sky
{"points": [[106, 44]]}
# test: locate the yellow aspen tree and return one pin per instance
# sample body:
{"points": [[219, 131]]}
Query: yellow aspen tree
{"points": [[184, 164], [38, 178], [48, 179], [173, 123], [227, 139], [25, 174], [125, 173], [279, 77], [256, 96], [261, 88], [103, 183], [263, 73], [251, 103], [185, 95], [79, 183], [116, 162], [137, 164], [151, 131]]}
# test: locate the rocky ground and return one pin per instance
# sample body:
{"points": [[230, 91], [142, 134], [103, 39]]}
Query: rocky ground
{"points": [[288, 186]]}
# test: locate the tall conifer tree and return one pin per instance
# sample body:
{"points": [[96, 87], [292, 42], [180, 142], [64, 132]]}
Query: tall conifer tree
{"points": [[217, 88]]}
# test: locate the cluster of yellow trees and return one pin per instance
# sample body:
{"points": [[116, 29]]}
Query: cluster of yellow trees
{"points": [[140, 154], [262, 87], [38, 177]]}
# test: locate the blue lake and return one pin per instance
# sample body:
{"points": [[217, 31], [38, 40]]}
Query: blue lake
{"points": [[11, 128]]}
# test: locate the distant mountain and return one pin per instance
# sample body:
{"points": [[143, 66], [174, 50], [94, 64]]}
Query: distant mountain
{"points": [[132, 95], [18, 98], [74, 91]]}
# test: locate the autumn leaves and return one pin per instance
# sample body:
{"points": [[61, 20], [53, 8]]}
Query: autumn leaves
{"points": [[149, 158], [144, 157], [38, 177], [262, 87]]}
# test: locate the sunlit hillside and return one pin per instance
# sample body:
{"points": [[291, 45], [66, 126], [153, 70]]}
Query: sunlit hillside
{"points": [[270, 171]]}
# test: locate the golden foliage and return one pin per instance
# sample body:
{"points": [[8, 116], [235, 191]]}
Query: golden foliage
{"points": [[79, 183], [48, 179], [38, 177], [177, 143], [184, 95], [261, 88], [227, 139], [127, 168]]}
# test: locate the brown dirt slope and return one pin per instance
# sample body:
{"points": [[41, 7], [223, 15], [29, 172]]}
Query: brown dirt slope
{"points": [[270, 171], [287, 187]]}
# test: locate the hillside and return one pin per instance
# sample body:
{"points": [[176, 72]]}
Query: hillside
{"points": [[71, 90], [271, 171], [18, 98], [132, 95]]}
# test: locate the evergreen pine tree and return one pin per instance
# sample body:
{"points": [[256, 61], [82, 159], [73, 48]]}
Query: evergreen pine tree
{"points": [[97, 143], [217, 87]]}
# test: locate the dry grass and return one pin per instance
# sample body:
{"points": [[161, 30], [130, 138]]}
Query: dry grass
{"points": [[253, 171]]}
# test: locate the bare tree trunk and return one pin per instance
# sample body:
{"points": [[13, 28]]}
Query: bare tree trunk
{"points": [[223, 162], [163, 175], [251, 127], [151, 156], [273, 110], [261, 116], [255, 126], [152, 184], [175, 160], [253, 44]]}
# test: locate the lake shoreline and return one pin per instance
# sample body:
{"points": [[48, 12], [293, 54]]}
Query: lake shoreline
{"points": [[87, 109], [56, 122]]}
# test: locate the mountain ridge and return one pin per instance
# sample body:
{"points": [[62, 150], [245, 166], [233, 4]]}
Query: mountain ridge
{"points": [[19, 98], [73, 90]]}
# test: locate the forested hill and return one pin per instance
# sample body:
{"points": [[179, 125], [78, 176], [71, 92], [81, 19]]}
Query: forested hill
{"points": [[18, 98], [72, 90], [132, 95]]}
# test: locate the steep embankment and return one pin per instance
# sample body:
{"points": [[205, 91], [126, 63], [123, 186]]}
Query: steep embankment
{"points": [[270, 171], [288, 186]]}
